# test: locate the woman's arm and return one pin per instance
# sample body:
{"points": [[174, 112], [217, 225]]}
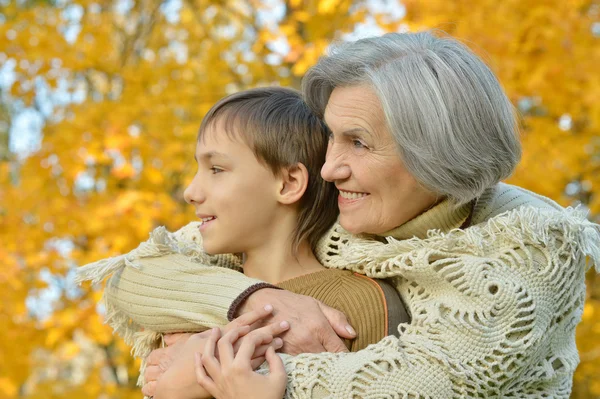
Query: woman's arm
{"points": [[168, 284]]}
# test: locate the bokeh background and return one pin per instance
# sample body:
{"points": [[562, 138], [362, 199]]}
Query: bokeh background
{"points": [[100, 102]]}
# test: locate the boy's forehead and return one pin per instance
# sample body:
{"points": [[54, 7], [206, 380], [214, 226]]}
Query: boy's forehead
{"points": [[223, 129], [215, 142]]}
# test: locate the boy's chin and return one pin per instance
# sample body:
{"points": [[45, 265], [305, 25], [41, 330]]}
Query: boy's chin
{"points": [[214, 249]]}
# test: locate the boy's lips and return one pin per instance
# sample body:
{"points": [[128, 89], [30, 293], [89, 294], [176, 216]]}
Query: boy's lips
{"points": [[205, 221]]}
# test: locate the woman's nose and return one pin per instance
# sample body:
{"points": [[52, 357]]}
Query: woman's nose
{"points": [[335, 168], [193, 193]]}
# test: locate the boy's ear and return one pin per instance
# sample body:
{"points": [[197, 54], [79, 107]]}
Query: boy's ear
{"points": [[294, 181]]}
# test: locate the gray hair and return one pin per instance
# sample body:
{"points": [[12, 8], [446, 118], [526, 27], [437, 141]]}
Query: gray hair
{"points": [[454, 126]]}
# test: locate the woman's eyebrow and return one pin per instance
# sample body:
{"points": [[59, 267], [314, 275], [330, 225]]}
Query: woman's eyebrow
{"points": [[353, 132]]}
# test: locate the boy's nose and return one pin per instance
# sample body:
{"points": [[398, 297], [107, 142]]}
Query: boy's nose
{"points": [[193, 193]]}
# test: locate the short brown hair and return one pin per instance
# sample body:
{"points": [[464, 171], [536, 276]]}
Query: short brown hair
{"points": [[283, 131]]}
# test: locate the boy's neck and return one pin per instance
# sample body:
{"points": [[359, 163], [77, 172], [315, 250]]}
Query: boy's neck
{"points": [[274, 261]]}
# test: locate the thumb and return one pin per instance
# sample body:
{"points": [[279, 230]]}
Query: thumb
{"points": [[332, 343], [338, 321], [276, 367]]}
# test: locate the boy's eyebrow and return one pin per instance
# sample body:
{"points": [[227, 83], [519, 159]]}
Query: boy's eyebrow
{"points": [[210, 154]]}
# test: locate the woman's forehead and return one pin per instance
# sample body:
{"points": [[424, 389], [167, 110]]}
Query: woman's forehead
{"points": [[355, 105]]}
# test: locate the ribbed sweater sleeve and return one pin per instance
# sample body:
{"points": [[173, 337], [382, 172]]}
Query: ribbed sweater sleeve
{"points": [[165, 294]]}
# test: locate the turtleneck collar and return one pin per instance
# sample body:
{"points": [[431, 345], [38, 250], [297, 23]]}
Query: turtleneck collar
{"points": [[444, 216]]}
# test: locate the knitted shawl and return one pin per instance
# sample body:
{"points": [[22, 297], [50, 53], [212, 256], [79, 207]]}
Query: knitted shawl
{"points": [[494, 306]]}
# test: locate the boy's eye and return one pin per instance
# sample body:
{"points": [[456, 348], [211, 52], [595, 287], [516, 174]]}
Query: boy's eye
{"points": [[215, 170]]}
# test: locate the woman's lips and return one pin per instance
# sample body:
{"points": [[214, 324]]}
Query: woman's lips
{"points": [[350, 197], [352, 194]]}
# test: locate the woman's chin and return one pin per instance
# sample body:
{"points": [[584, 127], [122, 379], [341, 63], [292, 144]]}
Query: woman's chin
{"points": [[352, 225]]}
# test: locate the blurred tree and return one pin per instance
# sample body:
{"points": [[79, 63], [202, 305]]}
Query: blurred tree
{"points": [[121, 86]]}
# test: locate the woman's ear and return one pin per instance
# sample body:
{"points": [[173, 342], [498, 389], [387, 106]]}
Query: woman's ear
{"points": [[294, 181]]}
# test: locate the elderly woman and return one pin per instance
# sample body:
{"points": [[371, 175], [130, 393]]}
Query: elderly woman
{"points": [[492, 275]]}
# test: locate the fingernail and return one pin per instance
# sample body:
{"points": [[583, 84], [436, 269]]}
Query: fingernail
{"points": [[268, 308], [350, 330], [284, 324], [278, 342]]}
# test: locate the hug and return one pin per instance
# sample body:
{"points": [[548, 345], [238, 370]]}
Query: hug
{"points": [[360, 229]]}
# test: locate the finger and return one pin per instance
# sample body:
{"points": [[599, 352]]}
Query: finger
{"points": [[275, 329], [225, 345], [249, 318], [332, 343], [276, 367], [152, 373], [338, 321], [210, 363], [149, 389], [256, 362], [249, 344], [272, 330], [260, 350], [201, 376]]}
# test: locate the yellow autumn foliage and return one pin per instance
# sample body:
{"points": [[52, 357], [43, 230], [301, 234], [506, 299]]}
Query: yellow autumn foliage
{"points": [[121, 87]]}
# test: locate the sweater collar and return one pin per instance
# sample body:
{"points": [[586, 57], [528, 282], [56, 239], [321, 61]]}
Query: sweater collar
{"points": [[444, 216]]}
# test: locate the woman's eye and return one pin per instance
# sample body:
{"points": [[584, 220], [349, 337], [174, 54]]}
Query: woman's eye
{"points": [[358, 144]]}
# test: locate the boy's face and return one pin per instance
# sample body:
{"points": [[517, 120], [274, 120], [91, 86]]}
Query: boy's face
{"points": [[234, 194]]}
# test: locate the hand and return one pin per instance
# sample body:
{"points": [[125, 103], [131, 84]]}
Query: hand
{"points": [[180, 345], [159, 360], [314, 327], [232, 375]]}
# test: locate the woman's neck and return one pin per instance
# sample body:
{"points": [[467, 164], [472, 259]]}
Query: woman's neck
{"points": [[275, 262]]}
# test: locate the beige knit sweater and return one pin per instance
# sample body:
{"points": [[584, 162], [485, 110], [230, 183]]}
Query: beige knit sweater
{"points": [[494, 306]]}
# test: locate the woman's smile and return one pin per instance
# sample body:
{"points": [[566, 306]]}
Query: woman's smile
{"points": [[348, 199]]}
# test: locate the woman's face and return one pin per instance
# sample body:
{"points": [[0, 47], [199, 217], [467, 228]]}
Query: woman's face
{"points": [[377, 193]]}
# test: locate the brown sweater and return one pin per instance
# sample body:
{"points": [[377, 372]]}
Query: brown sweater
{"points": [[360, 298]]}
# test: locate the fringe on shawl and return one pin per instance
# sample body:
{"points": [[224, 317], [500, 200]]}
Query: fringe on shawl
{"points": [[185, 241], [161, 242], [524, 225]]}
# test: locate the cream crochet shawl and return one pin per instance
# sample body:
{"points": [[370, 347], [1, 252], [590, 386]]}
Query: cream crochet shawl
{"points": [[494, 306]]}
